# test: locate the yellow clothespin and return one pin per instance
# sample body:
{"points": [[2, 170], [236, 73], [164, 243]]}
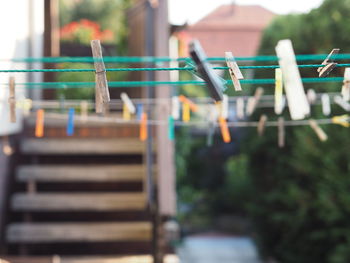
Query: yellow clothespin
{"points": [[253, 101], [191, 104], [12, 99], [278, 91], [126, 113], [128, 103], [261, 124], [345, 92], [342, 120], [328, 63], [186, 112], [318, 130], [102, 92], [234, 70], [281, 132]]}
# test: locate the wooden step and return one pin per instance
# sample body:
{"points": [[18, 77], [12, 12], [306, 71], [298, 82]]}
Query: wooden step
{"points": [[77, 146], [31, 233], [46, 202], [79, 173]]}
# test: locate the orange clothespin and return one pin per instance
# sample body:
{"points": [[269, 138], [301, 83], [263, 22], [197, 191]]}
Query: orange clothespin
{"points": [[225, 132], [191, 104], [39, 127], [12, 99], [143, 127]]}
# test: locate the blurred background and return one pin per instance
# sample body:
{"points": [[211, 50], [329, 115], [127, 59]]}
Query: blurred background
{"points": [[245, 201]]}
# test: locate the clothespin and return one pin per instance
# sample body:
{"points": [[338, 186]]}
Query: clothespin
{"points": [[225, 132], [224, 107], [126, 113], [84, 108], [102, 92], [298, 105], [326, 104], [128, 103], [240, 108], [278, 91], [171, 128], [214, 83], [234, 71], [342, 103], [281, 132], [6, 147], [345, 92], [318, 130], [39, 126], [186, 112], [253, 101], [12, 99], [311, 96], [26, 105], [328, 63], [343, 120], [143, 127], [175, 109], [139, 110], [261, 124], [191, 104], [70, 122], [213, 115]]}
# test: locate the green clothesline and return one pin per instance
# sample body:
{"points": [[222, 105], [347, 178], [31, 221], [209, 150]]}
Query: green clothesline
{"points": [[125, 84], [110, 59], [153, 69]]}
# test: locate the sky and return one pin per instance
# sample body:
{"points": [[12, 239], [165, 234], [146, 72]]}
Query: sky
{"points": [[191, 11]]}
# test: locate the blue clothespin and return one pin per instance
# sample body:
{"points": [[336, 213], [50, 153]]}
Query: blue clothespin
{"points": [[139, 110], [206, 72], [70, 123]]}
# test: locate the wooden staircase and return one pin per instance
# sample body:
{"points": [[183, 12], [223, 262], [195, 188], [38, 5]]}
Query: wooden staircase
{"points": [[80, 195]]}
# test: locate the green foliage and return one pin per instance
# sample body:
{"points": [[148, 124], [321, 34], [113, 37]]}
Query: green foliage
{"points": [[301, 198]]}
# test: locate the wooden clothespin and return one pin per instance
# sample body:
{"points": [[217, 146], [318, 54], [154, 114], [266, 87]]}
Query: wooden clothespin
{"points": [[12, 99], [278, 91], [204, 68], [311, 96], [84, 109], [343, 120], [261, 124], [281, 132], [298, 105], [240, 108], [345, 92], [225, 132], [39, 125], [102, 92], [342, 103], [143, 127], [253, 101], [175, 107], [234, 71], [318, 130], [326, 104], [328, 63]]}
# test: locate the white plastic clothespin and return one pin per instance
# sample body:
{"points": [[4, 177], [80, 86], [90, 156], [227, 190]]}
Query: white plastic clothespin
{"points": [[240, 108], [311, 96], [12, 99], [261, 124], [326, 104], [253, 101], [318, 130], [345, 92], [102, 92], [298, 105], [128, 103], [342, 103], [175, 107], [234, 71], [328, 63], [224, 106]]}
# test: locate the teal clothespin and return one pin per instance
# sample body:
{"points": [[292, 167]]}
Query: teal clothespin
{"points": [[171, 128]]}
